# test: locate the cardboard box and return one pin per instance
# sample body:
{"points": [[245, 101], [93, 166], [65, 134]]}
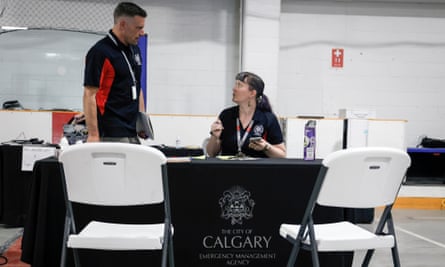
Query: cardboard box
{"points": [[356, 114]]}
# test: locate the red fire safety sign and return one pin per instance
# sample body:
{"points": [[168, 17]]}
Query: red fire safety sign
{"points": [[337, 57]]}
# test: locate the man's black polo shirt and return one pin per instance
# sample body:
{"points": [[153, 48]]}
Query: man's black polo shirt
{"points": [[107, 69]]}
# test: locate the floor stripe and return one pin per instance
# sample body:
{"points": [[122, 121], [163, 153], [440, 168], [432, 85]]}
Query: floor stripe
{"points": [[421, 237]]}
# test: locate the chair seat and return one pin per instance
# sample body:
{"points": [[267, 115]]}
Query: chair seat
{"points": [[340, 236], [115, 236]]}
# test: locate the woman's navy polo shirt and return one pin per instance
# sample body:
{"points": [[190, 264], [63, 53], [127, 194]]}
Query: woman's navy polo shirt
{"points": [[107, 69], [265, 125]]}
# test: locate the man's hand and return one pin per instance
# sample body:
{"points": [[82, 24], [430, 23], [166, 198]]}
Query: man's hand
{"points": [[142, 135]]}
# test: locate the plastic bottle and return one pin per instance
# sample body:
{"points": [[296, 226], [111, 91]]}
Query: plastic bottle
{"points": [[178, 142], [309, 140]]}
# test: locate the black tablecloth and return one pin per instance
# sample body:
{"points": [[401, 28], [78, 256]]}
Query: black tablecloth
{"points": [[180, 152], [276, 191], [43, 231], [427, 166], [14, 186], [46, 216]]}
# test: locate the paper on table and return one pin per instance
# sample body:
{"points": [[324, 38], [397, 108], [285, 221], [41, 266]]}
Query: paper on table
{"points": [[33, 153], [236, 158]]}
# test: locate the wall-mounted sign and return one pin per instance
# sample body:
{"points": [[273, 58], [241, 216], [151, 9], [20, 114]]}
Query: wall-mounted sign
{"points": [[337, 57]]}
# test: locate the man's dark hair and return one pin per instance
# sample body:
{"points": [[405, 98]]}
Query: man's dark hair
{"points": [[128, 9]]}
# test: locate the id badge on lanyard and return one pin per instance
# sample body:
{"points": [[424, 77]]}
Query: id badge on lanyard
{"points": [[133, 77], [134, 92], [240, 141]]}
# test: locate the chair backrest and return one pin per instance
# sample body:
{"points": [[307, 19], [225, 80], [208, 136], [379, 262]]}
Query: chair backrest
{"points": [[363, 177], [113, 174]]}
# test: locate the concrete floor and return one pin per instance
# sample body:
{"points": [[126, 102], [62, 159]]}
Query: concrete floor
{"points": [[420, 237], [7, 236], [420, 233]]}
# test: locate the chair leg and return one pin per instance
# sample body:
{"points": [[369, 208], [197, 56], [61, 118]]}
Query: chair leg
{"points": [[314, 252], [394, 250], [165, 248], [357, 257], [395, 256], [315, 261], [63, 256], [294, 254], [76, 258], [171, 254], [368, 257], [314, 249], [64, 240]]}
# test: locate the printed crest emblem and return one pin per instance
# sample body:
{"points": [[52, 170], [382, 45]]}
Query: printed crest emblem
{"points": [[236, 205], [138, 60], [258, 130]]}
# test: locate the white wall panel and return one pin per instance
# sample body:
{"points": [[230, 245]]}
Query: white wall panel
{"points": [[192, 56], [260, 42], [394, 57], [190, 130], [25, 125], [390, 133], [393, 61]]}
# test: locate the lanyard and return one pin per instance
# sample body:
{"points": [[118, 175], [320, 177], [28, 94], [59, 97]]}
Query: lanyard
{"points": [[133, 88], [238, 134]]}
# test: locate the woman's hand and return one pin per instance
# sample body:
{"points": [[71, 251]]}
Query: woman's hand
{"points": [[216, 128], [259, 144], [213, 146]]}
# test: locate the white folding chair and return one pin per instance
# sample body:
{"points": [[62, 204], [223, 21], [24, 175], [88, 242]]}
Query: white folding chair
{"points": [[365, 177], [116, 174]]}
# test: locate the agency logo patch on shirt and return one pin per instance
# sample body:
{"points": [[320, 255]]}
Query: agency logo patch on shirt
{"points": [[258, 130], [138, 60]]}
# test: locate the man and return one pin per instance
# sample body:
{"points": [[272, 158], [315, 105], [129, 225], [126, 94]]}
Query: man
{"points": [[112, 89]]}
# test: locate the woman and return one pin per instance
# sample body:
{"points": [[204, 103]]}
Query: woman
{"points": [[249, 128]]}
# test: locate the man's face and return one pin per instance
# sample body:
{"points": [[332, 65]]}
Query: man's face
{"points": [[133, 29]]}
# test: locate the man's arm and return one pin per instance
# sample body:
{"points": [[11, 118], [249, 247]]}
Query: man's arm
{"points": [[141, 102], [142, 134], [90, 111]]}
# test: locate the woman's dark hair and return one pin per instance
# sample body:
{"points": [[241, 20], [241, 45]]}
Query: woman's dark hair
{"points": [[255, 83], [128, 9]]}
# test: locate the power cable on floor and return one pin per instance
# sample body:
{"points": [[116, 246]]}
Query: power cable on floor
{"points": [[3, 260], [6, 245]]}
